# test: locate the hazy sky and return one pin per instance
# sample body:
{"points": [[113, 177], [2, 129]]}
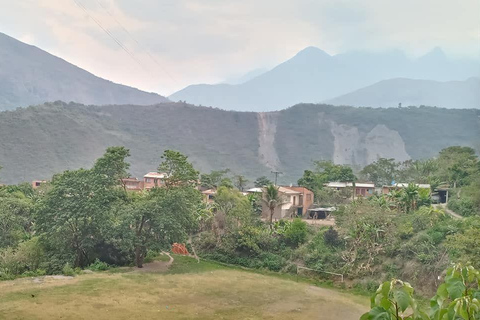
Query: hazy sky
{"points": [[175, 42]]}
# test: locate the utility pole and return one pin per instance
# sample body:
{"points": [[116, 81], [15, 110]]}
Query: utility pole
{"points": [[276, 173]]}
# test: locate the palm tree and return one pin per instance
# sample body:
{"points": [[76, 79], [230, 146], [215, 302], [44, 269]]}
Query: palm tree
{"points": [[272, 198], [410, 197]]}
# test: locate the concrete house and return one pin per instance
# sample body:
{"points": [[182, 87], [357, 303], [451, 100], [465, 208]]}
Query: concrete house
{"points": [[296, 202], [154, 179], [133, 184]]}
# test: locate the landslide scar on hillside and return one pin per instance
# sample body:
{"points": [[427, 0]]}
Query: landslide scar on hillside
{"points": [[361, 148], [267, 128]]}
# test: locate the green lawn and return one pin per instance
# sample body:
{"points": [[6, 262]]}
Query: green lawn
{"points": [[189, 290]]}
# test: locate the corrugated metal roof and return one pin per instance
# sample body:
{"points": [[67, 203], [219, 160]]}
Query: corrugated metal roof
{"points": [[157, 175], [338, 184]]}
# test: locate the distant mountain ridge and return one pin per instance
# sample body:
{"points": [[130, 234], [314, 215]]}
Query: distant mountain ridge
{"points": [[29, 76], [39, 141], [411, 92], [314, 76]]}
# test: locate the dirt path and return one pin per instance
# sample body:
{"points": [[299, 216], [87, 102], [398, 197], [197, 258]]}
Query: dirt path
{"points": [[156, 266], [450, 212]]}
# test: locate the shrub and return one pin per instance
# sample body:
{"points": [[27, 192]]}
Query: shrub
{"points": [[331, 237], [272, 261], [100, 265], [5, 274], [68, 270], [297, 232], [464, 207]]}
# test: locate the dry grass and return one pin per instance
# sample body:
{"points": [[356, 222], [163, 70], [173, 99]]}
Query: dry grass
{"points": [[208, 292]]}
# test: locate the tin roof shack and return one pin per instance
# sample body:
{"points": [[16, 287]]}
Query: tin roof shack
{"points": [[399, 186], [320, 213], [362, 189]]}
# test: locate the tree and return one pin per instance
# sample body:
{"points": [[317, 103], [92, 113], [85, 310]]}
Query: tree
{"points": [[381, 172], [178, 170], [156, 219], [213, 179], [273, 199], [234, 205], [410, 197], [240, 182], [325, 171], [77, 208], [15, 216], [261, 182], [457, 165]]}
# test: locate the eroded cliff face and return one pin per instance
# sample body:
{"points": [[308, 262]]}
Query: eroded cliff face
{"points": [[354, 147], [267, 128]]}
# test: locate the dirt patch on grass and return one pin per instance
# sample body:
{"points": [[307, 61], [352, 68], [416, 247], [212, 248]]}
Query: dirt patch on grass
{"points": [[156, 266]]}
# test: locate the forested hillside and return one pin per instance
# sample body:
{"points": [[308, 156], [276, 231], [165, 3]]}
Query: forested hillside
{"points": [[40, 141], [29, 76]]}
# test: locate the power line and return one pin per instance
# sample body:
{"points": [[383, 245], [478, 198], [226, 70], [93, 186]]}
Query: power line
{"points": [[118, 42], [135, 40], [276, 173]]}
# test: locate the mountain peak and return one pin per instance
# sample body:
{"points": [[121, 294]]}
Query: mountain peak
{"points": [[312, 52], [435, 53]]}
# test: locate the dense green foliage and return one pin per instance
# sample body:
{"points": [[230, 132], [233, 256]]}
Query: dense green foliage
{"points": [[456, 299], [85, 217]]}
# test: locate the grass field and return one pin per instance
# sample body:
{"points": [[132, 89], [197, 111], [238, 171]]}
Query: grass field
{"points": [[189, 290]]}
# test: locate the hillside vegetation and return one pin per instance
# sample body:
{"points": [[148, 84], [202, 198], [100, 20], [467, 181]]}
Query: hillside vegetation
{"points": [[29, 76], [40, 141]]}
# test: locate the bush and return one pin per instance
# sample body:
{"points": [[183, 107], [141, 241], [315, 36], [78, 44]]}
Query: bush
{"points": [[272, 261], [100, 265], [5, 274], [68, 270], [464, 207], [297, 232], [331, 237]]}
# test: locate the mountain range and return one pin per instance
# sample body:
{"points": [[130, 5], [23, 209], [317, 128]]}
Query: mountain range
{"points": [[29, 76], [42, 140], [315, 76], [411, 92]]}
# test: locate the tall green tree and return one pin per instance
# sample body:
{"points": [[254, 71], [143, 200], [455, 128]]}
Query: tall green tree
{"points": [[75, 211], [261, 182], [156, 219], [381, 172], [325, 171], [240, 182], [179, 171], [213, 179], [457, 165], [272, 199]]}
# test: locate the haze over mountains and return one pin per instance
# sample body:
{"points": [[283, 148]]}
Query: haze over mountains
{"points": [[39, 141], [315, 76], [410, 92], [29, 76]]}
